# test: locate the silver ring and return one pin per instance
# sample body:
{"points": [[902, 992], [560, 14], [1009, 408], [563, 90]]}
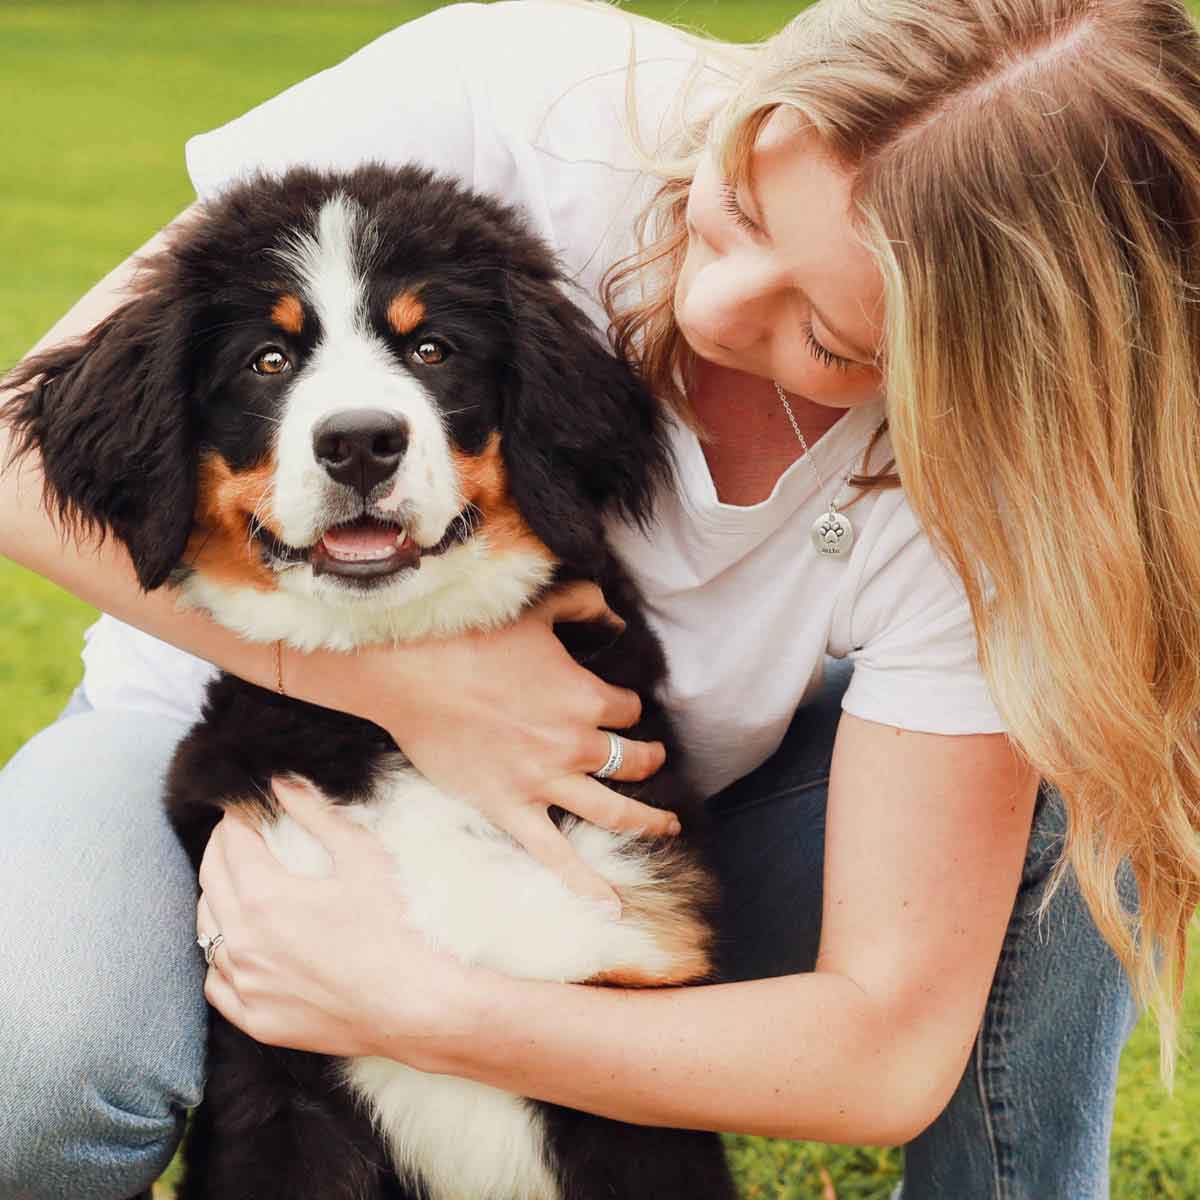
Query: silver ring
{"points": [[616, 756], [209, 946]]}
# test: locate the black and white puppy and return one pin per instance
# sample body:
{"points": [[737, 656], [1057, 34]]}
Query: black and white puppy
{"points": [[351, 409]]}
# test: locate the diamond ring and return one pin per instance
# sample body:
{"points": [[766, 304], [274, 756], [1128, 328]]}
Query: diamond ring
{"points": [[209, 945]]}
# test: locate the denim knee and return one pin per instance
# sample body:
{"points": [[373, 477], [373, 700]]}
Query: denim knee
{"points": [[102, 1014]]}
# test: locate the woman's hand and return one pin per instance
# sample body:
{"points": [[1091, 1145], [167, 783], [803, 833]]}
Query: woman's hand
{"points": [[323, 964], [510, 722]]}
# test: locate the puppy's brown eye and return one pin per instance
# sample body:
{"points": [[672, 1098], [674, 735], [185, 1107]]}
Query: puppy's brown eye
{"points": [[271, 362], [430, 353]]}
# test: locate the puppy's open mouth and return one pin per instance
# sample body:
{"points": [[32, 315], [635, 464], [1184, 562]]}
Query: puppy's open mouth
{"points": [[363, 549]]}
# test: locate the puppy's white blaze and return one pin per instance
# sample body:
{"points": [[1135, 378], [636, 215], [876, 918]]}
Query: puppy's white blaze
{"points": [[327, 266], [344, 375], [352, 368], [467, 587], [471, 891]]}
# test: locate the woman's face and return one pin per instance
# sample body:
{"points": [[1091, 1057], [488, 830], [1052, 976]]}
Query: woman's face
{"points": [[776, 282]]}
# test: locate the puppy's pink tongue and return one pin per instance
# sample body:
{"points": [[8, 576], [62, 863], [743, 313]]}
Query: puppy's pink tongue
{"points": [[363, 543]]}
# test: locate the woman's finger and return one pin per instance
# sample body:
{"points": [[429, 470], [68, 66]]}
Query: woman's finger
{"points": [[223, 996], [540, 837], [620, 708], [207, 925], [215, 881], [306, 804], [578, 602], [236, 858], [638, 760], [600, 805]]}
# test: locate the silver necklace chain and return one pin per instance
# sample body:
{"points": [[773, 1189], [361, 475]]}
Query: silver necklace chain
{"points": [[791, 416], [808, 454], [832, 531]]}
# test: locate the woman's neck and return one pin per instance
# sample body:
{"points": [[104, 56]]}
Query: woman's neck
{"points": [[749, 441]]}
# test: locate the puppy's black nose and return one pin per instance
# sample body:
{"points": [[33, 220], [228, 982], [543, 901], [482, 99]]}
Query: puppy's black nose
{"points": [[361, 447]]}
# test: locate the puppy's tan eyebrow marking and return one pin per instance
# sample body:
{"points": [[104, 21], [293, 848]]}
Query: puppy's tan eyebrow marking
{"points": [[288, 314], [405, 313]]}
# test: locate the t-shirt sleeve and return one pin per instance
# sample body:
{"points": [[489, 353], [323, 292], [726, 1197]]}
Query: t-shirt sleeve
{"points": [[913, 645], [404, 98]]}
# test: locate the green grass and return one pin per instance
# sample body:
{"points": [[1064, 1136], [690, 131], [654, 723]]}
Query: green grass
{"points": [[98, 99]]}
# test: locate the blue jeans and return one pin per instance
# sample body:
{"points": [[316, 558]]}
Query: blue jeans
{"points": [[102, 1012]]}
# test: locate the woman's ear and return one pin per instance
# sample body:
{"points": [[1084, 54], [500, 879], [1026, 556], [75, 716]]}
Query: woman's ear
{"points": [[109, 416], [582, 437]]}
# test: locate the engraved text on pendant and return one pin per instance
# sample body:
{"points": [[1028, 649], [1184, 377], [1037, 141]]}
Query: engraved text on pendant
{"points": [[833, 535]]}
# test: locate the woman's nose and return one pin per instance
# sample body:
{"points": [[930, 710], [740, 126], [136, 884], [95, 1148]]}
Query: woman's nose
{"points": [[728, 302]]}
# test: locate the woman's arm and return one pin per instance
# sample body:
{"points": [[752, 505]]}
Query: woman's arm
{"points": [[508, 719], [925, 840]]}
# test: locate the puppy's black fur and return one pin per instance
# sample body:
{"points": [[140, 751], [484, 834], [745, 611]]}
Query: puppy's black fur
{"points": [[123, 419]]}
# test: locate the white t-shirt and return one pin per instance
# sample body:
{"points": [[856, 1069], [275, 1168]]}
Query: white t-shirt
{"points": [[527, 101]]}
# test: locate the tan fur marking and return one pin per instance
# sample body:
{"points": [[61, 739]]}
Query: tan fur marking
{"points": [[483, 481], [405, 313], [220, 546], [669, 908], [288, 314]]}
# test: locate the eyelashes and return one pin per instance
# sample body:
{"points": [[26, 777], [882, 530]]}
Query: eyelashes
{"points": [[822, 353], [730, 205]]}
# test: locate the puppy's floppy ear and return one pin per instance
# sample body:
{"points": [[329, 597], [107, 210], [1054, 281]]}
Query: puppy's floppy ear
{"points": [[109, 415], [582, 437]]}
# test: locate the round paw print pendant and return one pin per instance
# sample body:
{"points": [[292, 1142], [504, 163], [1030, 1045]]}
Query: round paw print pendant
{"points": [[833, 535]]}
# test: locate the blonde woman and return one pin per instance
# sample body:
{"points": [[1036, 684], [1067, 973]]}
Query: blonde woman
{"points": [[952, 240]]}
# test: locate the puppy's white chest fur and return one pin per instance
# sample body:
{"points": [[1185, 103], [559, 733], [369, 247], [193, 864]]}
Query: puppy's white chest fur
{"points": [[471, 891]]}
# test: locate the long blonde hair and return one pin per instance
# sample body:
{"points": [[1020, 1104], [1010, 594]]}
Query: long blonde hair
{"points": [[1027, 175]]}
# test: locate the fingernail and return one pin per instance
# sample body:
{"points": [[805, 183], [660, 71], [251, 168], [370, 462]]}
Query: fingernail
{"points": [[612, 908]]}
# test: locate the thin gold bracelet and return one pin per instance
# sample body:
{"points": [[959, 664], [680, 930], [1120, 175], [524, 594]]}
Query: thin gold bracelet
{"points": [[279, 668]]}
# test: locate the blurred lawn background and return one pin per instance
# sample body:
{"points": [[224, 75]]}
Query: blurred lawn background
{"points": [[96, 100]]}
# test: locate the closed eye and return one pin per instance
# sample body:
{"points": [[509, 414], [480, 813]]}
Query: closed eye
{"points": [[822, 353], [729, 203]]}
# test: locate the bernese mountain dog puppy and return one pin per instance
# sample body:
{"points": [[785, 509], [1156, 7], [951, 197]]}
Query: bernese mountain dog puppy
{"points": [[354, 408]]}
